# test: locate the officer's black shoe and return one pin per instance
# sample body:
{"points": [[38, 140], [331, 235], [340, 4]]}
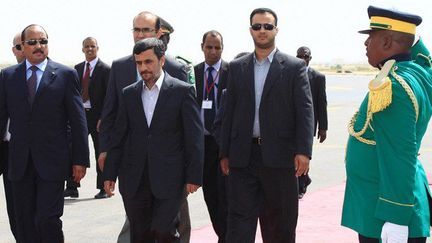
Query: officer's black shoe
{"points": [[70, 192], [101, 194]]}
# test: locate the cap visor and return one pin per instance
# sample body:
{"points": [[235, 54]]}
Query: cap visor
{"points": [[365, 31]]}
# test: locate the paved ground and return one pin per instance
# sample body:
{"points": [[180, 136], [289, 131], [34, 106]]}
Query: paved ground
{"points": [[89, 220]]}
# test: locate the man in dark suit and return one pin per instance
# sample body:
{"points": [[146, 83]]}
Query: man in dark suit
{"points": [[93, 74], [123, 73], [4, 147], [211, 79], [41, 97], [157, 146], [318, 88], [267, 137]]}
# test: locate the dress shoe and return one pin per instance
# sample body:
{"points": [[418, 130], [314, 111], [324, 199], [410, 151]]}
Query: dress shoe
{"points": [[101, 194], [70, 192]]}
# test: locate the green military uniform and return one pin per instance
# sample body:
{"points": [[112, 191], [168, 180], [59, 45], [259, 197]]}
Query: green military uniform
{"points": [[385, 180]]}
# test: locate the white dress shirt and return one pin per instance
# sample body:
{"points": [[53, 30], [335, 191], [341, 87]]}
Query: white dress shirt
{"points": [[150, 96]]}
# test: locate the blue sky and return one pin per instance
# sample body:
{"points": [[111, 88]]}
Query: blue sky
{"points": [[329, 27]]}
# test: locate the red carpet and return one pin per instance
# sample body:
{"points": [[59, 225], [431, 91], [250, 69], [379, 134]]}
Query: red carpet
{"points": [[319, 220]]}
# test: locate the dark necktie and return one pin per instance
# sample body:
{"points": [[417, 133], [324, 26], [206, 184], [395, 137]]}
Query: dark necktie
{"points": [[209, 114], [31, 84], [85, 83]]}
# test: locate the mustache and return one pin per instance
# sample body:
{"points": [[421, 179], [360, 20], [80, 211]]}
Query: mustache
{"points": [[38, 50], [145, 72]]}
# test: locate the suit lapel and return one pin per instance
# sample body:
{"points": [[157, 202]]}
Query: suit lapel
{"points": [[164, 94], [139, 89], [248, 69], [273, 74], [222, 80], [48, 77], [21, 78], [80, 70], [200, 83]]}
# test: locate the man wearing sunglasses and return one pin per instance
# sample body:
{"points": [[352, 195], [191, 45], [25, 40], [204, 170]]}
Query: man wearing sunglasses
{"points": [[17, 48], [267, 135], [123, 73], [41, 97], [4, 148], [318, 88]]}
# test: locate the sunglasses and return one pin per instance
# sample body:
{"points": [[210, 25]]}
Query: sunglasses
{"points": [[18, 47], [257, 27], [33, 42], [143, 30], [303, 57]]}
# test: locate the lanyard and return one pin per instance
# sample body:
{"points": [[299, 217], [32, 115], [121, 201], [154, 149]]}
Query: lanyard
{"points": [[208, 89]]}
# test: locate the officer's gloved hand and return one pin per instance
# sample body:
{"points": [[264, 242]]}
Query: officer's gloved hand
{"points": [[394, 233]]}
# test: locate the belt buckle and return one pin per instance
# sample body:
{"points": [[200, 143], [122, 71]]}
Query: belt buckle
{"points": [[259, 141]]}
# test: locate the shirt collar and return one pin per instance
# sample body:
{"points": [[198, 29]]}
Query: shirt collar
{"points": [[216, 66], [402, 57], [158, 83], [41, 65], [93, 62], [269, 57]]}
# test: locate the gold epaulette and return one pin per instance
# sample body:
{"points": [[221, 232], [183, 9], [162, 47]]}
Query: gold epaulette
{"points": [[380, 89]]}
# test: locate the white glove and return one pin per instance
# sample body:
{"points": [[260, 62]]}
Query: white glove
{"points": [[394, 233]]}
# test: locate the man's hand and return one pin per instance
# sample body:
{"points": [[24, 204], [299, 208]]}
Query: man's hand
{"points": [[101, 160], [109, 187], [394, 233], [78, 172], [301, 163], [191, 188], [98, 125], [224, 164], [322, 135]]}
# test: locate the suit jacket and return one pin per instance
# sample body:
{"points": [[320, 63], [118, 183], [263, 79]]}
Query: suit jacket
{"points": [[170, 150], [200, 79], [97, 87], [286, 112], [318, 88], [40, 130], [123, 73]]}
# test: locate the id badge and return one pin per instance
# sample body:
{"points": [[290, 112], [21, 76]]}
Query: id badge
{"points": [[207, 104]]}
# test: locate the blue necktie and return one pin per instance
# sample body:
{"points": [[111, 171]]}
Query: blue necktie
{"points": [[31, 84], [209, 114]]}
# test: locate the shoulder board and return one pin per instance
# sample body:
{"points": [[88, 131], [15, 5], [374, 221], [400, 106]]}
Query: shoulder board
{"points": [[380, 89]]}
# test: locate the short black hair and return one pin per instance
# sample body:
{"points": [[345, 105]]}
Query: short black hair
{"points": [[213, 33], [262, 11], [32, 25], [150, 43], [89, 38]]}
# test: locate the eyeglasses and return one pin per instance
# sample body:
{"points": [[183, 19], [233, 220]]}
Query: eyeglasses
{"points": [[18, 47], [142, 30], [303, 57], [257, 27], [33, 42]]}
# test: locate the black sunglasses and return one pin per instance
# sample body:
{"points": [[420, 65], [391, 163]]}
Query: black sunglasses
{"points": [[303, 57], [33, 42], [257, 27], [18, 47]]}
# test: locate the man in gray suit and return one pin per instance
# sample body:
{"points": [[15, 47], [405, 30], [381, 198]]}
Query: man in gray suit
{"points": [[123, 73], [267, 137], [158, 146]]}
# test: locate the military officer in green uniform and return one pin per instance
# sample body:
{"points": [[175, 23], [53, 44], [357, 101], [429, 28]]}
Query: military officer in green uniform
{"points": [[387, 193]]}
